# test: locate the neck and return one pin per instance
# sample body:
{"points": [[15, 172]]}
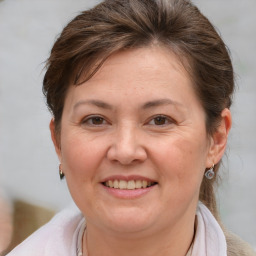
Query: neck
{"points": [[166, 242]]}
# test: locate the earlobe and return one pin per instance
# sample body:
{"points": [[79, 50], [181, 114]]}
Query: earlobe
{"points": [[219, 138], [55, 140]]}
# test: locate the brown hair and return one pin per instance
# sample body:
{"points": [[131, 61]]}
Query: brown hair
{"points": [[91, 37]]}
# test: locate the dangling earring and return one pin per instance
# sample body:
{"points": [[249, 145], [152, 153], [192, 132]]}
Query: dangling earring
{"points": [[209, 174], [62, 175]]}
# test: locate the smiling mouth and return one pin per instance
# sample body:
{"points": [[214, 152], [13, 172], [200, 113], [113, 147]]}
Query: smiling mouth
{"points": [[131, 184]]}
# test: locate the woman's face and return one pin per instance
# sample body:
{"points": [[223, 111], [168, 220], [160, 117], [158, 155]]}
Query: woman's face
{"points": [[136, 125]]}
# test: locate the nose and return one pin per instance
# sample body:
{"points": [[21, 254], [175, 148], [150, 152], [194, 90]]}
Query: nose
{"points": [[127, 147]]}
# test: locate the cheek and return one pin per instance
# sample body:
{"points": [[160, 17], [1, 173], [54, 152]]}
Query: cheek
{"points": [[80, 160], [181, 160], [80, 157], [180, 164]]}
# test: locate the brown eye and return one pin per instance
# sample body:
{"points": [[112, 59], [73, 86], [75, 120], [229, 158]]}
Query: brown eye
{"points": [[97, 120], [94, 120], [160, 120]]}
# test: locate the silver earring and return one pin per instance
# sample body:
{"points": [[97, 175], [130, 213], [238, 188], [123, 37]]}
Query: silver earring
{"points": [[209, 174], [62, 175]]}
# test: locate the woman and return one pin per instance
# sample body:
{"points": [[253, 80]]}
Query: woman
{"points": [[140, 92]]}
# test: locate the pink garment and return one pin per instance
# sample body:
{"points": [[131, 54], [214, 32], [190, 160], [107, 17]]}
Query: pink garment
{"points": [[62, 236], [57, 238], [210, 239]]}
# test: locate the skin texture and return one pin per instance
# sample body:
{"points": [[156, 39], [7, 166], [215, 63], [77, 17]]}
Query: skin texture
{"points": [[149, 124]]}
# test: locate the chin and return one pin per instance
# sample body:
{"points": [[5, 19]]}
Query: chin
{"points": [[129, 220]]}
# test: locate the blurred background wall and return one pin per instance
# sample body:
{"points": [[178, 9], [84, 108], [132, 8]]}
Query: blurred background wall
{"points": [[28, 164]]}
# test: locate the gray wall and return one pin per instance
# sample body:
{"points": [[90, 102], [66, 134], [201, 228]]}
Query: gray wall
{"points": [[28, 165]]}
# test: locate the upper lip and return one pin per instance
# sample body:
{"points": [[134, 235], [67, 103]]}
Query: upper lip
{"points": [[127, 178]]}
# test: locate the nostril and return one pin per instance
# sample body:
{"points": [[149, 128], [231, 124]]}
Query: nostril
{"points": [[126, 155]]}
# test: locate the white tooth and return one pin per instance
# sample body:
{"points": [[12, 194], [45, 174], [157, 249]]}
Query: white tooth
{"points": [[123, 184], [138, 184], [149, 183], [110, 183], [106, 184], [144, 183], [131, 184], [116, 185]]}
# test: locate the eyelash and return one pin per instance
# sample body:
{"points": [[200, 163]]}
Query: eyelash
{"points": [[102, 121], [89, 120], [167, 120]]}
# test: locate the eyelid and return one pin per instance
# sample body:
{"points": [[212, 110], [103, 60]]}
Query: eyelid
{"points": [[168, 118], [85, 120]]}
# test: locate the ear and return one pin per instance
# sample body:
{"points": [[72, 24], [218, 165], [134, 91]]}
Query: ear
{"points": [[219, 139], [55, 139]]}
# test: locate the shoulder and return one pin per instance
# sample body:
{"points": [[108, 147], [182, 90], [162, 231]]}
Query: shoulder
{"points": [[54, 238], [238, 247]]}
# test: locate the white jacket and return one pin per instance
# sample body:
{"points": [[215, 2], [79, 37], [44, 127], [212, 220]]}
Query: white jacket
{"points": [[57, 238], [62, 235]]}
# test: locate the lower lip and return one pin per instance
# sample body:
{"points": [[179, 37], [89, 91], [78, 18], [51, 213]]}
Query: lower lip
{"points": [[128, 193]]}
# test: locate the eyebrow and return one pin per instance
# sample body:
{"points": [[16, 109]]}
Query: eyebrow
{"points": [[160, 102], [150, 104], [97, 103]]}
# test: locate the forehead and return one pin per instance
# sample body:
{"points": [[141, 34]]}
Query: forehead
{"points": [[137, 73], [147, 63]]}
